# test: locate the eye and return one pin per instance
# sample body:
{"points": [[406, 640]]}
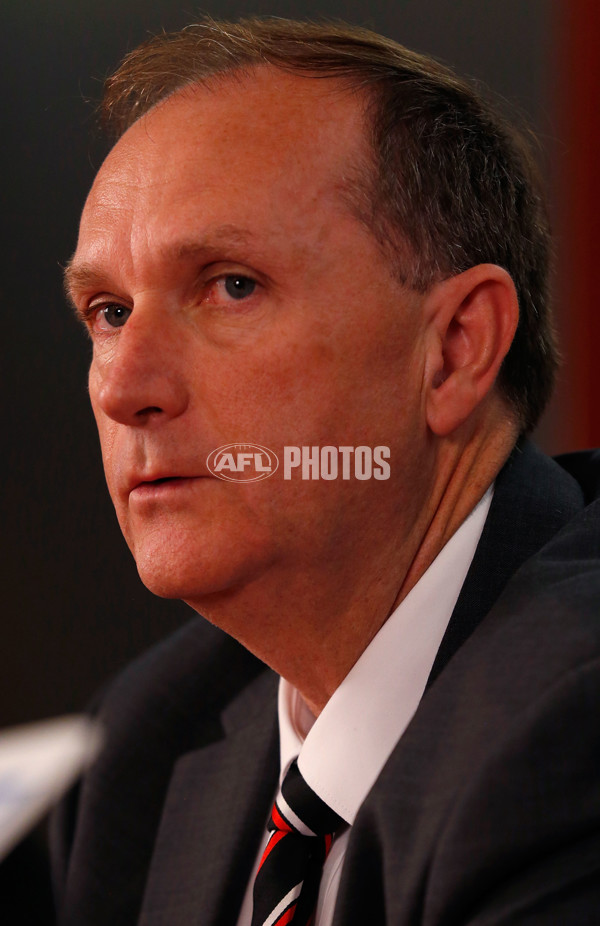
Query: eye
{"points": [[238, 286], [230, 291], [112, 316]]}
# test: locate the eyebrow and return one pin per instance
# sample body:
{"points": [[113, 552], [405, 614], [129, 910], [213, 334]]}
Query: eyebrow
{"points": [[229, 235], [79, 276], [82, 275]]}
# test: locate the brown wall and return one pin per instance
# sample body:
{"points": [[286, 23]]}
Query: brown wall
{"points": [[577, 56]]}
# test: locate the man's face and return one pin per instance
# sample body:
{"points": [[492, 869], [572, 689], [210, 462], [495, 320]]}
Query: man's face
{"points": [[232, 296]]}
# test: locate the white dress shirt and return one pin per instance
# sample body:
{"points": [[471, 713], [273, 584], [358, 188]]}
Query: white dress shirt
{"points": [[343, 750]]}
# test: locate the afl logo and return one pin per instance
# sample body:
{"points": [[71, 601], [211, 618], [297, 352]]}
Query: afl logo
{"points": [[242, 462]]}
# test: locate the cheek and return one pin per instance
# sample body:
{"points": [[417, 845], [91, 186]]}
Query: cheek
{"points": [[107, 433], [104, 424], [255, 395], [311, 391]]}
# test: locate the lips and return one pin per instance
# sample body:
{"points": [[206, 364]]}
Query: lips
{"points": [[161, 487], [160, 481], [138, 479]]}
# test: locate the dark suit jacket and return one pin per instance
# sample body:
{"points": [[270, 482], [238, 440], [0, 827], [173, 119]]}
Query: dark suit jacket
{"points": [[487, 812]]}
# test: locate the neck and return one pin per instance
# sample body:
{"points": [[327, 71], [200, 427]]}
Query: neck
{"points": [[312, 622], [464, 474]]}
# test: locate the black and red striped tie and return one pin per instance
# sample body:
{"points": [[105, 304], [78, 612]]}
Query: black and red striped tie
{"points": [[288, 877]]}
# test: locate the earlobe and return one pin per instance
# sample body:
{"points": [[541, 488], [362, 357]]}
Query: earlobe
{"points": [[472, 317]]}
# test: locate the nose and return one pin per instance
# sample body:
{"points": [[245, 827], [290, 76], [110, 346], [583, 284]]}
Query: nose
{"points": [[139, 378]]}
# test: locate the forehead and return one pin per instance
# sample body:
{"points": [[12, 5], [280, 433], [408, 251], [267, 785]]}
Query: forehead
{"points": [[243, 141]]}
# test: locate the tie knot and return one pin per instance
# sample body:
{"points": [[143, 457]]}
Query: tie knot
{"points": [[298, 809]]}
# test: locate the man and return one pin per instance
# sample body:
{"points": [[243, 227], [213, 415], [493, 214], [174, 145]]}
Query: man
{"points": [[309, 237]]}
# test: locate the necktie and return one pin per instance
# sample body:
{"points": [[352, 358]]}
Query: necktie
{"points": [[287, 880]]}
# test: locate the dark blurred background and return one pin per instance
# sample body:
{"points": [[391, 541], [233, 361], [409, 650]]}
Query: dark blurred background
{"points": [[73, 609]]}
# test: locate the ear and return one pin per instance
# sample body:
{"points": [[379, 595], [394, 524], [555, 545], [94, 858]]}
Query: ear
{"points": [[472, 319]]}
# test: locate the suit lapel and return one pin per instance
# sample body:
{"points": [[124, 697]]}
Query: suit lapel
{"points": [[390, 850], [217, 805], [533, 499]]}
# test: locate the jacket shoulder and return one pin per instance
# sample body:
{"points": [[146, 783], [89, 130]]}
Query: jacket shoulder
{"points": [[164, 704], [491, 797]]}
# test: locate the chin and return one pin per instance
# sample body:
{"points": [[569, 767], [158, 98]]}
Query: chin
{"points": [[187, 569], [197, 584]]}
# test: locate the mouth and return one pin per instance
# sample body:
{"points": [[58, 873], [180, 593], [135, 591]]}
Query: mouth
{"points": [[160, 486], [161, 481]]}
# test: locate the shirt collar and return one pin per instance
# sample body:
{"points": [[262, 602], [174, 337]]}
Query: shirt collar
{"points": [[342, 751]]}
